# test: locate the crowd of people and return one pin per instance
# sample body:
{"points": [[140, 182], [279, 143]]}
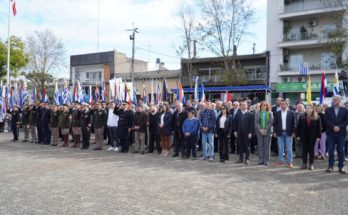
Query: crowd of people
{"points": [[299, 131]]}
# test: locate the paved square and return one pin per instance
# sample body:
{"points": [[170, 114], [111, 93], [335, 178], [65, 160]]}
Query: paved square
{"points": [[36, 179]]}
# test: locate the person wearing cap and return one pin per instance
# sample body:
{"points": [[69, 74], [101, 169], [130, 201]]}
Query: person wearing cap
{"points": [[64, 124], [25, 122], [33, 122], [190, 130], [76, 124], [125, 122], [54, 125], [139, 126], [14, 122], [86, 122], [99, 119]]}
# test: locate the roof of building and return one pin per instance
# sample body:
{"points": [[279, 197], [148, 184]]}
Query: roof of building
{"points": [[151, 74], [215, 59]]}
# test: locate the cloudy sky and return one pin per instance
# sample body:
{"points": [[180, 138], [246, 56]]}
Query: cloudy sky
{"points": [[75, 23]]}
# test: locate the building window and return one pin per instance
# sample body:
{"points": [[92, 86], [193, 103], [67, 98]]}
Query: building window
{"points": [[100, 76], [328, 60], [87, 75], [295, 61]]}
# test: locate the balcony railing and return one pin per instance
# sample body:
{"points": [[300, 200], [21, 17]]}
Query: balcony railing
{"points": [[300, 36], [287, 67], [240, 78], [306, 5]]}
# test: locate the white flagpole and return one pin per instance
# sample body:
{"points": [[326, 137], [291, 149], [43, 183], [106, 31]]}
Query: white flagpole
{"points": [[9, 42]]}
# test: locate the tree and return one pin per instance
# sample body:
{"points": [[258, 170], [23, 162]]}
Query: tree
{"points": [[186, 18], [46, 56], [223, 25], [18, 59]]}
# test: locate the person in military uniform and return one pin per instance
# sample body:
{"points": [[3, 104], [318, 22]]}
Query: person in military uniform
{"points": [[39, 125], [99, 119], [54, 124], [26, 122], [14, 122], [45, 124], [64, 124], [125, 123], [33, 122], [76, 124], [86, 122]]}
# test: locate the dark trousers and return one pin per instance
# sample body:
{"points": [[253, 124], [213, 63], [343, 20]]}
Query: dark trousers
{"points": [[154, 139], [224, 142], [274, 145], [112, 136], [178, 139], [233, 141], [243, 146], [86, 134], [190, 146], [39, 133], [14, 129], [105, 133], [308, 148], [332, 141], [124, 142], [46, 135]]}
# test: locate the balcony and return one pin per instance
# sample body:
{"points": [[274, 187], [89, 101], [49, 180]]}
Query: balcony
{"points": [[303, 40], [314, 69], [296, 8], [239, 78]]}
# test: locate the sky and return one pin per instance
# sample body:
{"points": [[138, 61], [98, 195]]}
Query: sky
{"points": [[75, 22]]}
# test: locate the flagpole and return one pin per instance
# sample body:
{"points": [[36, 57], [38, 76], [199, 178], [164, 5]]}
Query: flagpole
{"points": [[8, 42]]}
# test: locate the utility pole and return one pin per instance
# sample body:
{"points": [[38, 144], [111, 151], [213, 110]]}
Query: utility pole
{"points": [[132, 37]]}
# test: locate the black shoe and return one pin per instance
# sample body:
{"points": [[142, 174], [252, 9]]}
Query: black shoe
{"points": [[150, 151], [261, 163], [142, 152], [175, 155], [135, 152], [222, 160], [239, 161], [98, 148], [342, 171], [330, 169]]}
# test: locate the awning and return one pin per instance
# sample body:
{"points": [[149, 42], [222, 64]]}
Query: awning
{"points": [[249, 88]]}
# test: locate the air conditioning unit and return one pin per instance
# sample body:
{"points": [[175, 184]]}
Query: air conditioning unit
{"points": [[286, 79], [301, 79], [312, 23]]}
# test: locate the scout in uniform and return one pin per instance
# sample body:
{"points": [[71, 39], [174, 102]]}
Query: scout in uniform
{"points": [[64, 124]]}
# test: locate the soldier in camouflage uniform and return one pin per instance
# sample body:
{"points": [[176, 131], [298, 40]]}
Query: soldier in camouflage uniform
{"points": [[99, 119], [76, 124], [64, 124], [26, 122], [33, 122], [54, 124]]}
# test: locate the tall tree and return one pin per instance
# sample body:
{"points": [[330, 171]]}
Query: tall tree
{"points": [[18, 58], [224, 24], [187, 22], [46, 56]]}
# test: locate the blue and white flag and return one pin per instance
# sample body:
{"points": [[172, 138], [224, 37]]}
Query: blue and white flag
{"points": [[24, 94], [336, 87], [196, 95], [304, 69], [56, 95]]}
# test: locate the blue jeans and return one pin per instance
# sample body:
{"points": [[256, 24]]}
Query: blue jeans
{"points": [[332, 140], [207, 138], [287, 141]]}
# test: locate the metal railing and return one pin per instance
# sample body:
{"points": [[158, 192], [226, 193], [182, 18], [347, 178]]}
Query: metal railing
{"points": [[306, 5], [300, 36], [288, 67]]}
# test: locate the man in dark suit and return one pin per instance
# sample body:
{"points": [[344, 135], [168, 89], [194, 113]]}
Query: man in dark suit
{"points": [[284, 130], [275, 109], [125, 122], [179, 117], [336, 119], [233, 114], [243, 130]]}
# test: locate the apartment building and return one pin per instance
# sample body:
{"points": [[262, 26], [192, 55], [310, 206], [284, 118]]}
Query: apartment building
{"points": [[297, 34]]}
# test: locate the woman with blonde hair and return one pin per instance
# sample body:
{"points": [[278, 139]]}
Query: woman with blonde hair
{"points": [[263, 128], [309, 132]]}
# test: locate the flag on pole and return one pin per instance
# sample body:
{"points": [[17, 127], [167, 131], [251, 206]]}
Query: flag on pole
{"points": [[65, 94], [323, 88], [91, 102], [33, 98], [152, 97], [103, 92], [14, 9], [336, 87], [44, 95], [10, 97], [158, 94], [309, 91], [165, 91], [134, 96], [180, 93], [96, 93], [304, 69], [24, 94], [20, 98], [144, 94], [196, 89], [202, 94], [56, 94], [79, 92]]}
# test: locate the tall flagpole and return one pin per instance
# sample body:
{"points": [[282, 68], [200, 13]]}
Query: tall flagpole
{"points": [[8, 43]]}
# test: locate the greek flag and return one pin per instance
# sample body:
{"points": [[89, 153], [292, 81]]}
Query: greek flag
{"points": [[56, 94], [304, 69]]}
